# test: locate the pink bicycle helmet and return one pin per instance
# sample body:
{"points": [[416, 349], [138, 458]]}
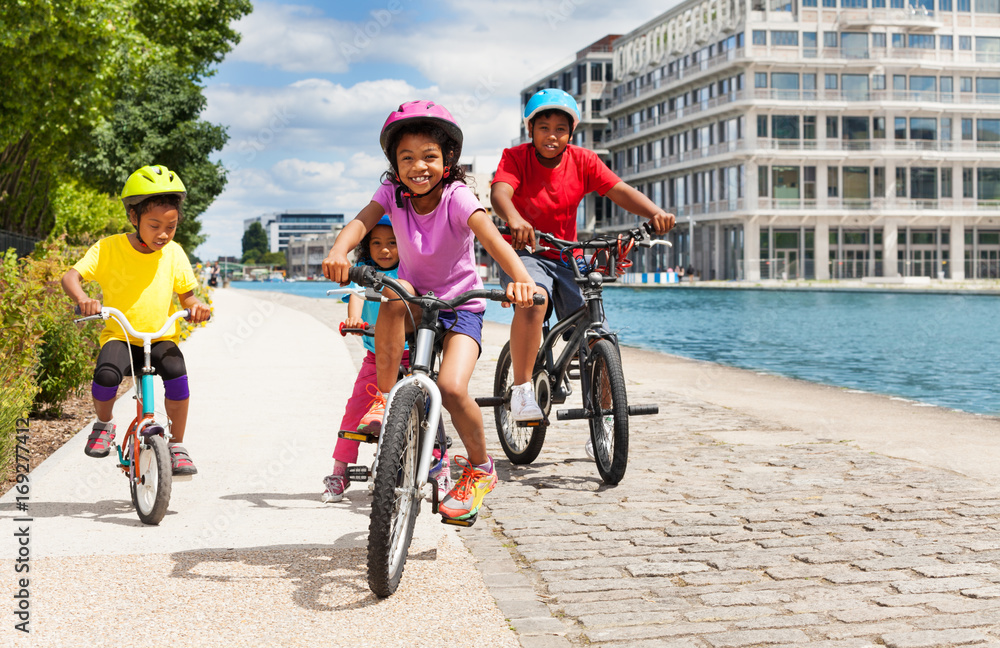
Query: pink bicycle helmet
{"points": [[413, 111]]}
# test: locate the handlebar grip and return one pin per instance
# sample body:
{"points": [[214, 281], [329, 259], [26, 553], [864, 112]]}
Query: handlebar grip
{"points": [[344, 330], [538, 299], [363, 275], [504, 230]]}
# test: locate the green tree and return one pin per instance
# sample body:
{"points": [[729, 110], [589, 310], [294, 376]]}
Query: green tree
{"points": [[276, 259], [65, 62], [254, 242], [157, 123]]}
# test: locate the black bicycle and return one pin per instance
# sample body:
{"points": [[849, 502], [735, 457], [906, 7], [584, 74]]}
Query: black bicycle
{"points": [[590, 354], [411, 429]]}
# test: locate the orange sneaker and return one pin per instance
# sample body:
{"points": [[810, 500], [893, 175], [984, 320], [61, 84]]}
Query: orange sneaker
{"points": [[371, 422], [464, 500]]}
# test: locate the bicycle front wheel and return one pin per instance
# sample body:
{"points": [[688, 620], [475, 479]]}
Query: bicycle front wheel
{"points": [[609, 420], [395, 500], [520, 444], [151, 494]]}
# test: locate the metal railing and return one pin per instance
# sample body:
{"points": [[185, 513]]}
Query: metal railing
{"points": [[23, 245]]}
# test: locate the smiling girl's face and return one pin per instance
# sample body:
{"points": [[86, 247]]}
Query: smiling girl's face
{"points": [[156, 226], [382, 247]]}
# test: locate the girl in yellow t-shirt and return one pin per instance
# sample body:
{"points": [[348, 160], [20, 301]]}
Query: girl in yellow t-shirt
{"points": [[139, 274]]}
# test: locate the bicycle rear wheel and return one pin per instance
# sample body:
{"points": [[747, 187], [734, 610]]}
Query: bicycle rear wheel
{"points": [[520, 444], [609, 402], [395, 500], [152, 494]]}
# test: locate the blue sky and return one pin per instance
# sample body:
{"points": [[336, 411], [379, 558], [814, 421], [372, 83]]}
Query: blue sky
{"points": [[304, 94]]}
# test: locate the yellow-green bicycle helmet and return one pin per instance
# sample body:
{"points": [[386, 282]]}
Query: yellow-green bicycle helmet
{"points": [[151, 181]]}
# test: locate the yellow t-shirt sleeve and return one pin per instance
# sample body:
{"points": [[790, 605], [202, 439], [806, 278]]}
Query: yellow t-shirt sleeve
{"points": [[87, 266], [184, 279]]}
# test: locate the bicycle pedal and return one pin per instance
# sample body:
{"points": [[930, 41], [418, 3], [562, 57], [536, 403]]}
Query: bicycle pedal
{"points": [[467, 522], [363, 437], [181, 478], [532, 424], [358, 473], [447, 443]]}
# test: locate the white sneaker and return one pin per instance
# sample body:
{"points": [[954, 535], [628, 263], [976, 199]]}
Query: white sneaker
{"points": [[589, 449], [522, 404]]}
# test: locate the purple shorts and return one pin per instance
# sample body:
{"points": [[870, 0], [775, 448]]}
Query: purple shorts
{"points": [[464, 322]]}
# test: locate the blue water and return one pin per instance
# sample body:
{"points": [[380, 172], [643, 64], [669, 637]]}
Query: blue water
{"points": [[938, 349]]}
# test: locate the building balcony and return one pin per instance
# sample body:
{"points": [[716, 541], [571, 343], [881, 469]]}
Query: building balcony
{"points": [[913, 18], [893, 204], [975, 149]]}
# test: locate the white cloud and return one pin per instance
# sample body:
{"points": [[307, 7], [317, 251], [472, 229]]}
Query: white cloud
{"points": [[295, 38]]}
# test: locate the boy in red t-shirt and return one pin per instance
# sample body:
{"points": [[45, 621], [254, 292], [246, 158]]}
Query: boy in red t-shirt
{"points": [[538, 185]]}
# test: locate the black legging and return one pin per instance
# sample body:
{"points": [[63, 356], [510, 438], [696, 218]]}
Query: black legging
{"points": [[113, 362]]}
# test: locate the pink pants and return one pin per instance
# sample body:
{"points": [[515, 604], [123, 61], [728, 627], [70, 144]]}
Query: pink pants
{"points": [[357, 406]]}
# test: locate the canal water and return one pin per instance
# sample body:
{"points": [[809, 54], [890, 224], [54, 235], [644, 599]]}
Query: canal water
{"points": [[940, 349]]}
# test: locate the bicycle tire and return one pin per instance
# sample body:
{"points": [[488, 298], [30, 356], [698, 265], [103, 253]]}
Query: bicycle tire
{"points": [[608, 422], [152, 495], [395, 500], [521, 444]]}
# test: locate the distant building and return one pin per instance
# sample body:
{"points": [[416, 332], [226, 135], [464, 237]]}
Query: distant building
{"points": [[305, 253], [280, 227]]}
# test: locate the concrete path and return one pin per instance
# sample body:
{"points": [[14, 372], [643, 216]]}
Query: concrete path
{"points": [[756, 511]]}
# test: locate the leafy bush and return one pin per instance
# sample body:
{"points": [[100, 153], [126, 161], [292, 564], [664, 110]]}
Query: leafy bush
{"points": [[37, 314], [18, 339], [84, 215]]}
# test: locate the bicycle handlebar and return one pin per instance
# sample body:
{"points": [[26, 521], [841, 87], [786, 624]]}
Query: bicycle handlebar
{"points": [[111, 311], [641, 235], [356, 330], [368, 276]]}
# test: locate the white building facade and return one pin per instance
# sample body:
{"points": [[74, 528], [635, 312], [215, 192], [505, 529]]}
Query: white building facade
{"points": [[814, 139]]}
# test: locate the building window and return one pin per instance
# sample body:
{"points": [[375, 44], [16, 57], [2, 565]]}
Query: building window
{"points": [[946, 190], [830, 81], [899, 41], [946, 129], [761, 125], [967, 183], [944, 5], [900, 128], [921, 41], [856, 128], [924, 88], [988, 86], [946, 42], [967, 133], [965, 84], [989, 184], [878, 40], [988, 130], [947, 87], [878, 82], [878, 127], [901, 182], [923, 128], [785, 182], [988, 6], [831, 127], [760, 79], [923, 183], [855, 87], [809, 44], [808, 3], [786, 84], [762, 181], [878, 4], [899, 83], [785, 38], [878, 174], [832, 182], [785, 126], [854, 4], [963, 5], [829, 39], [759, 37], [964, 42], [854, 45], [809, 182], [856, 183]]}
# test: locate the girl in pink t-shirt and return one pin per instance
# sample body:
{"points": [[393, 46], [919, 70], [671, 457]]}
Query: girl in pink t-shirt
{"points": [[435, 217]]}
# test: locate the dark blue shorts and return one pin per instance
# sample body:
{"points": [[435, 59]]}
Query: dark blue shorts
{"points": [[557, 280], [464, 322]]}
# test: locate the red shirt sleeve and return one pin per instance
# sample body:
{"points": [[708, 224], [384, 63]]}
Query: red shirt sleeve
{"points": [[598, 177], [511, 169]]}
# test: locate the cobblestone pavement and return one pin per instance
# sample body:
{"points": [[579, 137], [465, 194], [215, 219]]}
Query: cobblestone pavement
{"points": [[713, 545]]}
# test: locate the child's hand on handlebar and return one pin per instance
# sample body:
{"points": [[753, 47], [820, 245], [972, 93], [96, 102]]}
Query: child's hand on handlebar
{"points": [[336, 267], [522, 293], [662, 222], [354, 322], [522, 234], [87, 307], [199, 312]]}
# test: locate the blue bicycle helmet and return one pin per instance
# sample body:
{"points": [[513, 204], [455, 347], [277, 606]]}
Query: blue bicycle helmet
{"points": [[551, 99]]}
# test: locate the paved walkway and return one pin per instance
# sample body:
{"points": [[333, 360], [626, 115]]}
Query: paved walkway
{"points": [[755, 512]]}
